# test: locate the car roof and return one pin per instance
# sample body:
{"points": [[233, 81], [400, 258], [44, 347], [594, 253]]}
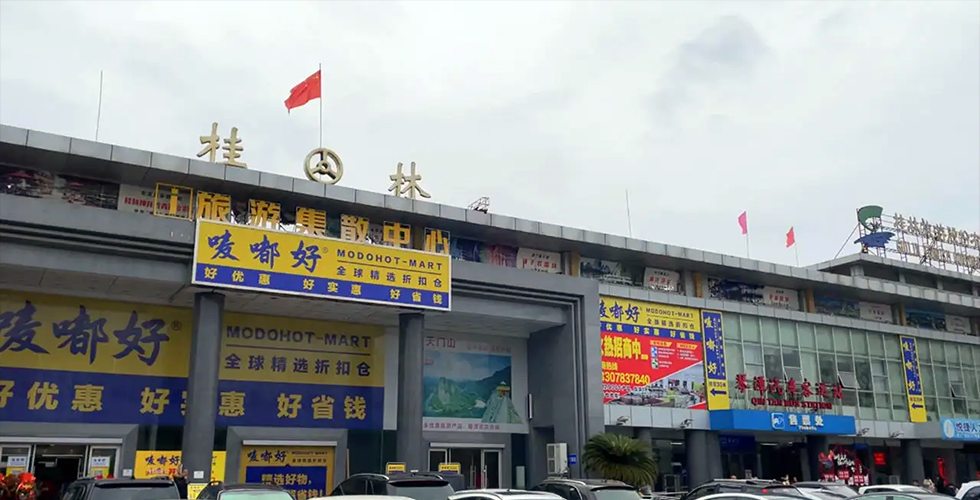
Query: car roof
{"points": [[590, 483], [366, 497], [128, 480], [248, 486], [505, 492], [403, 476]]}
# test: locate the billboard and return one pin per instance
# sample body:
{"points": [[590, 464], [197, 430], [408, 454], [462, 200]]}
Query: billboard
{"points": [[652, 354]]}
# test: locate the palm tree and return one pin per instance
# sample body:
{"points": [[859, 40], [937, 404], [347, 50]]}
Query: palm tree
{"points": [[622, 458]]}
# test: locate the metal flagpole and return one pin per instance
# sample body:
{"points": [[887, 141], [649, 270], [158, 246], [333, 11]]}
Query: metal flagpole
{"points": [[629, 218], [747, 254], [797, 249], [98, 116], [319, 70]]}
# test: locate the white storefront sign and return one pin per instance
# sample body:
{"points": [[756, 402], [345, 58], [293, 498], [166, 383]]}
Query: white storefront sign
{"points": [[871, 311], [783, 298], [539, 260], [661, 279]]}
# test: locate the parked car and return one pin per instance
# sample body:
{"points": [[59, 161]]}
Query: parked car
{"points": [[969, 491], [839, 488], [414, 485], [588, 489], [902, 495], [748, 496], [820, 494], [90, 488], [757, 487], [878, 488], [250, 491], [498, 494]]}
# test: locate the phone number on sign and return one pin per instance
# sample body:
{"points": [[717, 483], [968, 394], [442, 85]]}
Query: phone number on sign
{"points": [[625, 378]]}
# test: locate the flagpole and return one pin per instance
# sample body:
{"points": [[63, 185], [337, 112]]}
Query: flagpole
{"points": [[747, 254], [629, 218], [797, 250], [319, 70], [98, 116]]}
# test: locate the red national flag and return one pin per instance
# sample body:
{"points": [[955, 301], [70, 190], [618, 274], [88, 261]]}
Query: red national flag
{"points": [[305, 92], [790, 238], [743, 222]]}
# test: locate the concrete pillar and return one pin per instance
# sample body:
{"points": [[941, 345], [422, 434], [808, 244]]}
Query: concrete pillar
{"points": [[202, 386], [703, 457], [645, 435], [687, 278], [410, 447], [815, 445], [857, 271], [914, 467]]}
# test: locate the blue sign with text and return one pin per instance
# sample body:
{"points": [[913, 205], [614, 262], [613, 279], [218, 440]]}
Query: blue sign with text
{"points": [[961, 429], [756, 420], [572, 459]]}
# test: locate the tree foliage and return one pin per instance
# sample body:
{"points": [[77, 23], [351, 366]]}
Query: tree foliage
{"points": [[621, 458]]}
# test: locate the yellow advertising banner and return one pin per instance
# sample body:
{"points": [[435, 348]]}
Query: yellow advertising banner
{"points": [[167, 463], [297, 351], [648, 314], [264, 260], [46, 332], [303, 471]]}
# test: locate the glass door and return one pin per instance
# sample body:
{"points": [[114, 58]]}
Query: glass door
{"points": [[437, 456], [15, 459], [491, 468], [101, 461]]}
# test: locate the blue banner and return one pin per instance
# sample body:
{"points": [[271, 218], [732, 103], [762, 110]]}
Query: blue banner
{"points": [[737, 442], [30, 395], [802, 423], [715, 372], [300, 482], [961, 429]]}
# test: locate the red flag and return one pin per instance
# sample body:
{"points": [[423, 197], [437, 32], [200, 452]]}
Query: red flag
{"points": [[790, 238], [305, 92], [743, 222]]}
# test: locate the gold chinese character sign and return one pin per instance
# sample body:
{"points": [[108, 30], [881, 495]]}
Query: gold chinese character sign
{"points": [[411, 184], [327, 170], [232, 147]]}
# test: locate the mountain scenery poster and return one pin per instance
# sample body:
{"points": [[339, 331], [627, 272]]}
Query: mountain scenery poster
{"points": [[468, 386]]}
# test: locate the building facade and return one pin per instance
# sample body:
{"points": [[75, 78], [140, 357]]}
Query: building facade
{"points": [[158, 312]]}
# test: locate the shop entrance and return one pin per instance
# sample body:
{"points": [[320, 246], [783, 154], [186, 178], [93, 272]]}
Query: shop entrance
{"points": [[780, 460], [56, 465], [480, 467]]}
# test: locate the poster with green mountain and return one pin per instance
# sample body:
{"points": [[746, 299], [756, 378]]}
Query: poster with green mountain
{"points": [[469, 391]]}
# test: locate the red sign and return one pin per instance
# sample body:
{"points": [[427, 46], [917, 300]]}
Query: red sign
{"points": [[663, 368], [881, 458], [772, 392]]}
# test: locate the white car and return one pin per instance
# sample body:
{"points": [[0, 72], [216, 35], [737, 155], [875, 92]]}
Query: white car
{"points": [[969, 491], [881, 488], [500, 494], [748, 496], [364, 497]]}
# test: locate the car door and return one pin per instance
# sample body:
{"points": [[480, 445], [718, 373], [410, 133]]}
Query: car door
{"points": [[351, 486], [972, 494]]}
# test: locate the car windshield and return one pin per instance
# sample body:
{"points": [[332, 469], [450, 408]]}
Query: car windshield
{"points": [[822, 494], [840, 489], [780, 490], [255, 495], [134, 492], [421, 490], [615, 494]]}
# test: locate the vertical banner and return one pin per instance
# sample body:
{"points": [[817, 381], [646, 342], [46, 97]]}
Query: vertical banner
{"points": [[714, 362], [303, 471], [913, 384]]}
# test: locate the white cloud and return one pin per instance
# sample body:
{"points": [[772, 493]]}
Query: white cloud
{"points": [[797, 112]]}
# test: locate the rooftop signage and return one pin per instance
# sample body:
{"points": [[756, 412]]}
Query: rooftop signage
{"points": [[917, 240]]}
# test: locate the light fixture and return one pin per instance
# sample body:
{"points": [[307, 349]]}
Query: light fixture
{"points": [[863, 431], [686, 423], [896, 434], [622, 420]]}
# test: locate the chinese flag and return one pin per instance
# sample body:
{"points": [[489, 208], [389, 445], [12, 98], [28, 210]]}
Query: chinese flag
{"points": [[790, 238], [306, 91], [743, 222]]}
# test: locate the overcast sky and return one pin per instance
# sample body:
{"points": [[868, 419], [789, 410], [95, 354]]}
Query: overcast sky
{"points": [[796, 112]]}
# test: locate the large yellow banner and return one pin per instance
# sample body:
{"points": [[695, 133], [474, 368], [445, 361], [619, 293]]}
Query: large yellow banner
{"points": [[304, 471], [167, 463]]}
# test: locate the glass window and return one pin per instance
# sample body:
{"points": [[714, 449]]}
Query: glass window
{"points": [[842, 342], [928, 382], [893, 349], [848, 380], [845, 363], [880, 385], [774, 362], [946, 407], [850, 398], [791, 357], [828, 368], [809, 362], [896, 377], [900, 408], [976, 356], [787, 333], [753, 371], [805, 331], [866, 403], [973, 407], [970, 381], [730, 324], [862, 370], [878, 367], [955, 375], [959, 408], [952, 353], [770, 332], [932, 408], [876, 345], [753, 354], [883, 401], [859, 342], [733, 358], [922, 351], [750, 328], [825, 339], [936, 349], [942, 380]]}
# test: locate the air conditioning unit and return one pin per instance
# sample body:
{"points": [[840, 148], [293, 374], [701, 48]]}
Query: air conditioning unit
{"points": [[557, 459]]}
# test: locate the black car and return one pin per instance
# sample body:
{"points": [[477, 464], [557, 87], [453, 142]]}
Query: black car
{"points": [[839, 489], [415, 485], [902, 495], [89, 488], [588, 489], [251, 491], [754, 486]]}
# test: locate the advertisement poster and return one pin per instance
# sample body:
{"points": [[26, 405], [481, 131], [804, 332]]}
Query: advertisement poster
{"points": [[662, 280], [652, 354], [539, 260], [603, 270], [140, 200], [870, 311], [783, 298], [957, 324], [469, 386], [303, 471], [151, 464]]}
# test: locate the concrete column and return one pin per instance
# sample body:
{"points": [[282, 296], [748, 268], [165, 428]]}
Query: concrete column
{"points": [[644, 435], [703, 459], [202, 386], [687, 277], [815, 445], [914, 466], [858, 271], [410, 447]]}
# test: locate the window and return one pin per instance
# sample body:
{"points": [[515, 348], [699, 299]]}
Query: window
{"points": [[957, 390], [848, 380], [773, 361], [752, 354], [973, 494], [791, 357], [793, 373], [353, 486]]}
